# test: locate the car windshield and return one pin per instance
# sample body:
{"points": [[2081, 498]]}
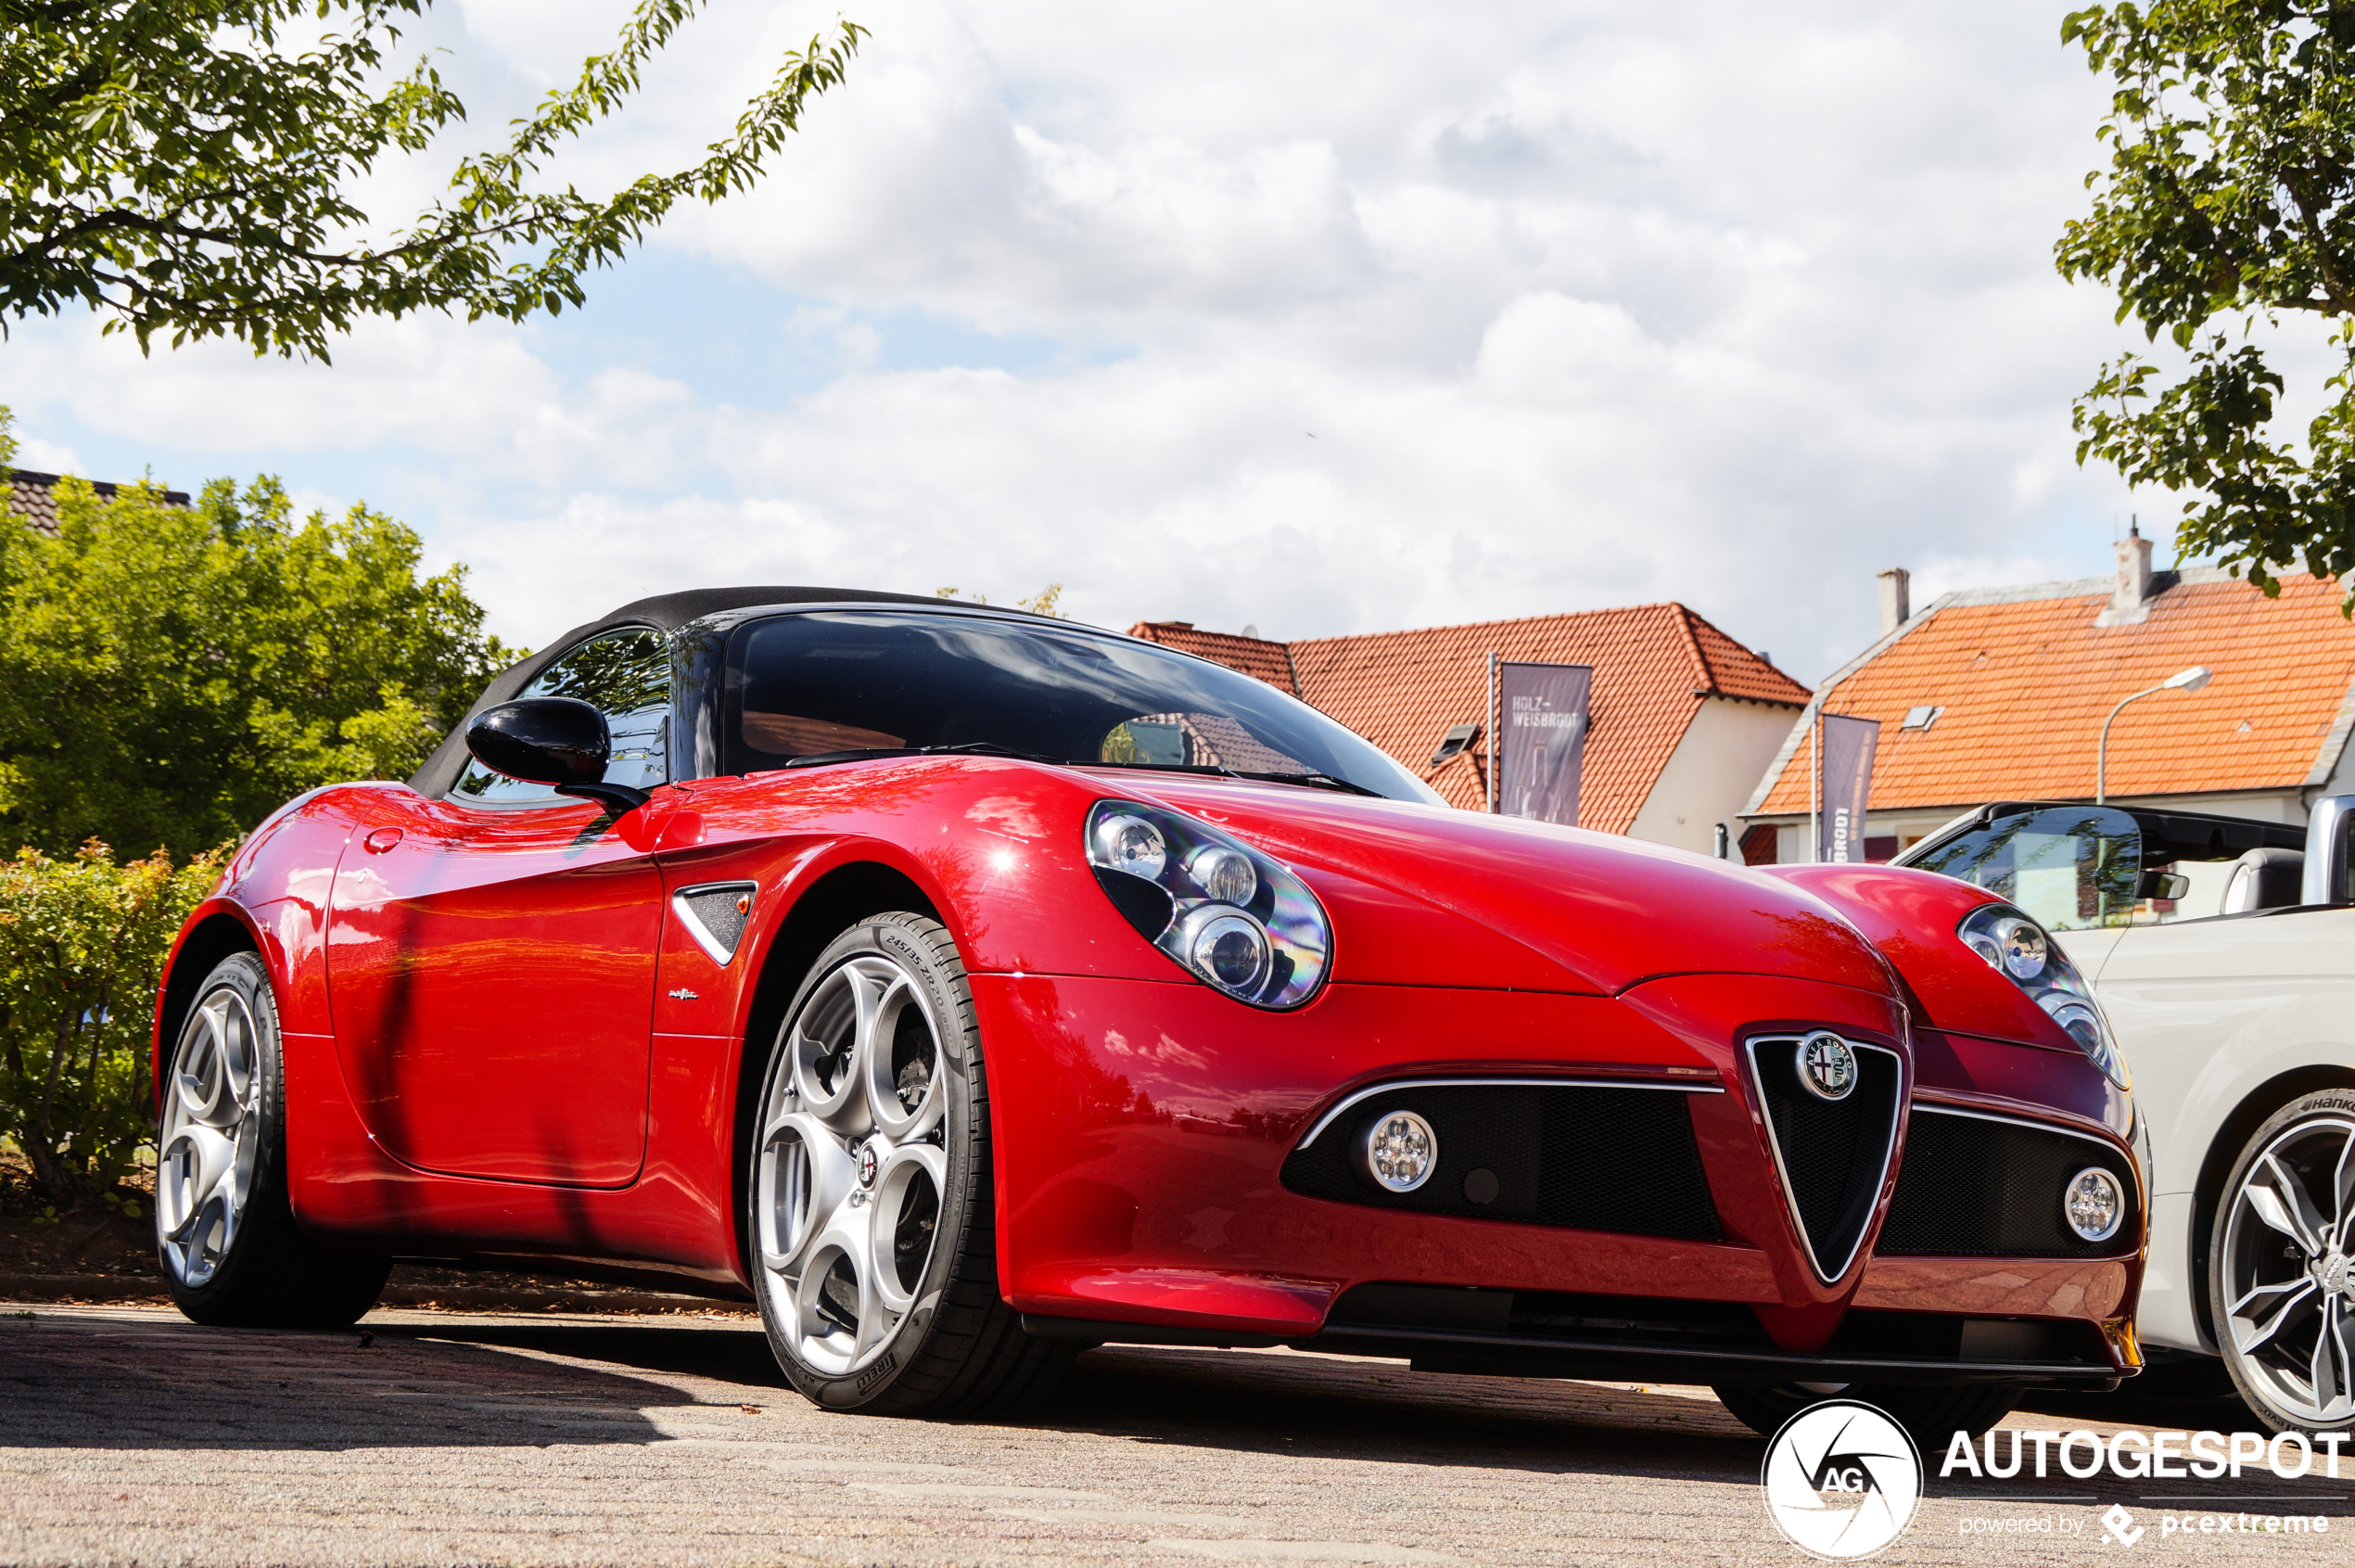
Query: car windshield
{"points": [[819, 683], [2071, 867]]}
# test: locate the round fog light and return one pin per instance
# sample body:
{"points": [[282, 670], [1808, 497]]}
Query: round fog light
{"points": [[1397, 1152], [2094, 1204]]}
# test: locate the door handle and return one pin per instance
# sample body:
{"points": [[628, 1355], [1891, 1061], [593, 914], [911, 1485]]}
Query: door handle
{"points": [[383, 839]]}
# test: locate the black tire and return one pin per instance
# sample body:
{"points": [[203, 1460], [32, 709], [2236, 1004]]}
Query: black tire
{"points": [[1931, 1414], [2305, 1141], [252, 1267], [957, 1350]]}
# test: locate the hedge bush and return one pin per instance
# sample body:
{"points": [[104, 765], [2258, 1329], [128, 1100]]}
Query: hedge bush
{"points": [[83, 942]]}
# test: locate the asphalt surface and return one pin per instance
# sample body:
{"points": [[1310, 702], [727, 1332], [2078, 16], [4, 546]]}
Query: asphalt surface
{"points": [[128, 1435]]}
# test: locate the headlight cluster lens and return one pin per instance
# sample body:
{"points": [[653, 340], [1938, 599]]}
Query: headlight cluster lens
{"points": [[2017, 949], [1225, 911], [1130, 844]]}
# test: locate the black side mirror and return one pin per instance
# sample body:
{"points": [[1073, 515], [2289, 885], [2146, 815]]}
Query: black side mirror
{"points": [[559, 741]]}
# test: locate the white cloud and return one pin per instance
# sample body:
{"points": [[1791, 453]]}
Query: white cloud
{"points": [[48, 458], [1583, 305]]}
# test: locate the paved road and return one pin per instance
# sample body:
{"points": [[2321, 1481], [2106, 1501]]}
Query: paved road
{"points": [[128, 1435]]}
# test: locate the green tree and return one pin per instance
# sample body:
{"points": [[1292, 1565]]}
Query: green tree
{"points": [[168, 674], [2225, 216], [181, 166], [81, 946]]}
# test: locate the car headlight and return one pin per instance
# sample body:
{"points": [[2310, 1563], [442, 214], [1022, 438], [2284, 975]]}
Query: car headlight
{"points": [[1227, 914], [2024, 954]]}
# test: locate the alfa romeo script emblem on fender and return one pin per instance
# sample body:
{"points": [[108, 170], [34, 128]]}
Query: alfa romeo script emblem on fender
{"points": [[1827, 1065]]}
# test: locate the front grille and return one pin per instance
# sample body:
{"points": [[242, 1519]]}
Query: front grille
{"points": [[1833, 1154], [1584, 1157], [1548, 1315], [1977, 1186], [1515, 1333]]}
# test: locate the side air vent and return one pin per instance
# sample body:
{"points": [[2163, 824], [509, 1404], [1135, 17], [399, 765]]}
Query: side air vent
{"points": [[1583, 1155], [1982, 1186], [715, 915], [1832, 1118]]}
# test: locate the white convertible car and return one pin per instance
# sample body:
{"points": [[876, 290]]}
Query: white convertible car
{"points": [[2224, 951]]}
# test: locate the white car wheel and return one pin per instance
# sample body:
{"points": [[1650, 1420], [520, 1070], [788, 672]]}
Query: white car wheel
{"points": [[2284, 1271]]}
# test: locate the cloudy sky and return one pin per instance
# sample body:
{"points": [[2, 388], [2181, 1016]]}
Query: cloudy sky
{"points": [[1318, 317]]}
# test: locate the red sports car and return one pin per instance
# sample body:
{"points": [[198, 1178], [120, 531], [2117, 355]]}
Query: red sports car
{"points": [[970, 988]]}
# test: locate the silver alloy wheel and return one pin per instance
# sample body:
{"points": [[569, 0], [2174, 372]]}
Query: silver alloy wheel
{"points": [[852, 1165], [212, 1137], [2289, 1271]]}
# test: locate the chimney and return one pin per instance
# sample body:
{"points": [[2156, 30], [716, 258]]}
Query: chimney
{"points": [[2133, 572], [1896, 599]]}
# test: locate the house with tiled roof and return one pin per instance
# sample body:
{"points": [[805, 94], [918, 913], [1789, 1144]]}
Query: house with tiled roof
{"points": [[33, 497], [1681, 719], [2000, 694]]}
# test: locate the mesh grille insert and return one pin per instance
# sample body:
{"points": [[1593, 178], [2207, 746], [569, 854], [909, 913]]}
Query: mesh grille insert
{"points": [[716, 915], [1833, 1153], [1589, 1158], [1972, 1187]]}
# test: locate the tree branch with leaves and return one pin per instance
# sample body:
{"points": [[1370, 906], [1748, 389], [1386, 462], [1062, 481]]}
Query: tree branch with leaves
{"points": [[170, 164], [2223, 216]]}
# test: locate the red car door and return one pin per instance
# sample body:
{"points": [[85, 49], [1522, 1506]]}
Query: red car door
{"points": [[490, 958]]}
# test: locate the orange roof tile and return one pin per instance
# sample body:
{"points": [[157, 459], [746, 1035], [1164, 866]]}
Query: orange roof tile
{"points": [[1402, 690], [2025, 678], [1254, 656]]}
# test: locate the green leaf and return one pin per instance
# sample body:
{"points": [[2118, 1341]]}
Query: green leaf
{"points": [[166, 163]]}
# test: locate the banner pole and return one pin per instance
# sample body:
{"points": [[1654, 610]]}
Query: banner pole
{"points": [[1496, 751], [1815, 789]]}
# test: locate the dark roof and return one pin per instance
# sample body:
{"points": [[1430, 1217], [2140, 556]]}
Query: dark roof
{"points": [[671, 611], [666, 613], [33, 497]]}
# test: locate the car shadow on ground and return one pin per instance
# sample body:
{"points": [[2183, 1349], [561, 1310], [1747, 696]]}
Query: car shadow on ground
{"points": [[124, 1380], [1335, 1407], [1270, 1401], [145, 1380], [686, 1346]]}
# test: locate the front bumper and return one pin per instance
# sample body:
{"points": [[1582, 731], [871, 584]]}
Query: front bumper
{"points": [[1143, 1131], [1487, 1332]]}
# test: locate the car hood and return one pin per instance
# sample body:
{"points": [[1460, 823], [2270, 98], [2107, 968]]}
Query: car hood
{"points": [[1428, 894]]}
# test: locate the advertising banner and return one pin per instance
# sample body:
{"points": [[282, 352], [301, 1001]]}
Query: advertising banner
{"points": [[1542, 710], [1847, 782]]}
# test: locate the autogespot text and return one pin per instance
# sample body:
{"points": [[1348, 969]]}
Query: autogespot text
{"points": [[2133, 1456]]}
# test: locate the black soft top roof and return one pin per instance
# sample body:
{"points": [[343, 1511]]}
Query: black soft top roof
{"points": [[666, 612]]}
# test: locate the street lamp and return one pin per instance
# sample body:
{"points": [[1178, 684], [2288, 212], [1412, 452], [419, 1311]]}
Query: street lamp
{"points": [[2189, 680]]}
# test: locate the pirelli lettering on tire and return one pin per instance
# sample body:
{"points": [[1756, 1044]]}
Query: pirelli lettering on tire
{"points": [[877, 1372]]}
